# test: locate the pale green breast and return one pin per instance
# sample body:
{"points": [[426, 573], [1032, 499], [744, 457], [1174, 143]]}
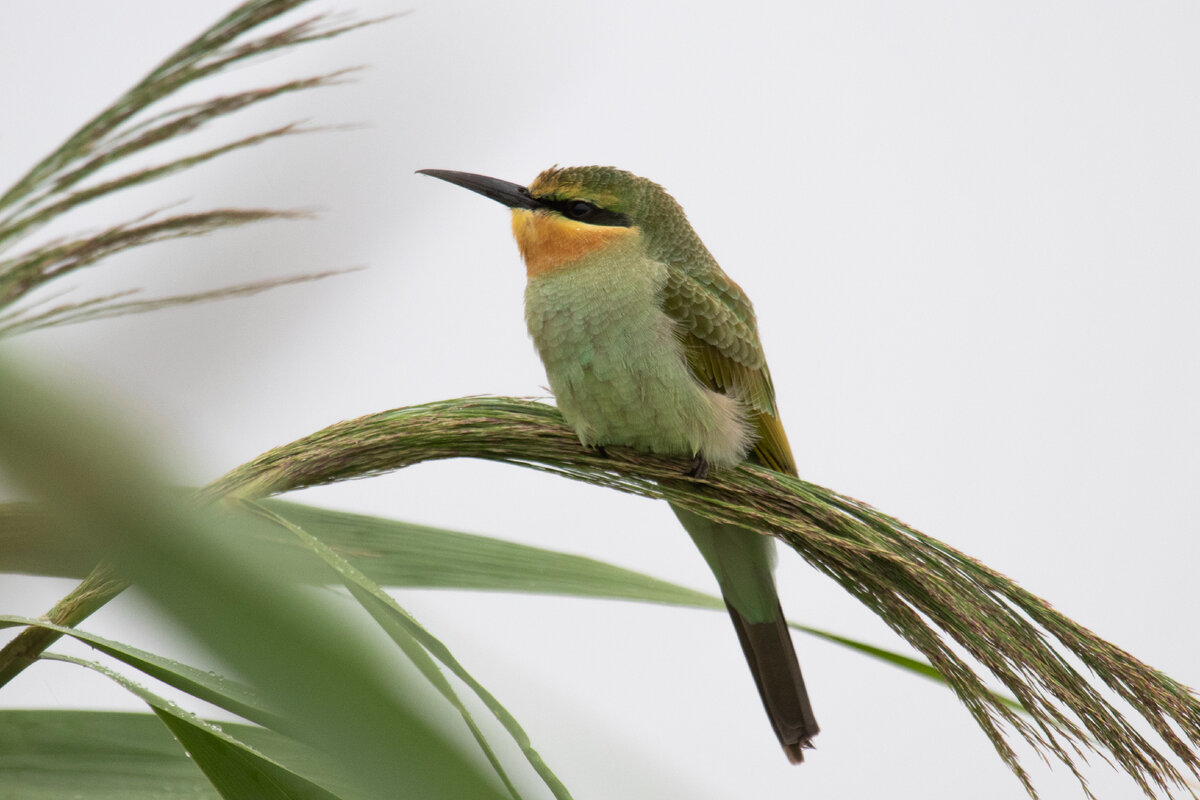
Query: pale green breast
{"points": [[617, 367]]}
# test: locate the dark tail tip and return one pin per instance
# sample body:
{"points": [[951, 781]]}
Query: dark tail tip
{"points": [[772, 659], [795, 752]]}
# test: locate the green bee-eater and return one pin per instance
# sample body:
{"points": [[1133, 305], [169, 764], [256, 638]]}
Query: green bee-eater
{"points": [[648, 344]]}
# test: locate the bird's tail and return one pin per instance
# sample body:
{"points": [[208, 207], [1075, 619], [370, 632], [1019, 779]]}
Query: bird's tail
{"points": [[743, 562], [772, 659]]}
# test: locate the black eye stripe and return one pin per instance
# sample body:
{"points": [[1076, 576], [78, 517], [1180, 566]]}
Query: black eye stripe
{"points": [[590, 213]]}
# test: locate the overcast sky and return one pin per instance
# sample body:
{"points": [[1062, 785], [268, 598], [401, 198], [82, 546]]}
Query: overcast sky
{"points": [[971, 234]]}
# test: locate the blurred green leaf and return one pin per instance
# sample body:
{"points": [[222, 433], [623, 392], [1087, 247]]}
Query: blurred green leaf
{"points": [[419, 644], [395, 553], [98, 755], [325, 683], [225, 693], [236, 770]]}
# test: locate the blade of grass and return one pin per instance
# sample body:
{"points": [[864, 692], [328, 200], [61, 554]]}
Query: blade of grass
{"points": [[100, 755], [225, 693], [415, 639], [236, 770]]}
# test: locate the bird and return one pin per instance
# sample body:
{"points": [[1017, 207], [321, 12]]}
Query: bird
{"points": [[648, 344]]}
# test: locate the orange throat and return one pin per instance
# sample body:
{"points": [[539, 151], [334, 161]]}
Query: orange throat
{"points": [[549, 242]]}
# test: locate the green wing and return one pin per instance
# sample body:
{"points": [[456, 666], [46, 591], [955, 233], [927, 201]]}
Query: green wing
{"points": [[717, 327]]}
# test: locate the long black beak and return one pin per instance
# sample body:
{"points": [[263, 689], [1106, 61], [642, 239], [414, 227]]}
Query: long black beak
{"points": [[510, 194]]}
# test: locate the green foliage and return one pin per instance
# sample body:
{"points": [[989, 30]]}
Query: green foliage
{"points": [[932, 595], [315, 679], [58, 755]]}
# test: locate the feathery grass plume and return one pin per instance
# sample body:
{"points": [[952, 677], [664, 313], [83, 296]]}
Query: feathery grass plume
{"points": [[59, 183], [938, 599], [107, 306]]}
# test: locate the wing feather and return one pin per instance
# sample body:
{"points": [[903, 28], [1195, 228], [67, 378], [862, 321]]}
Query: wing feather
{"points": [[719, 333]]}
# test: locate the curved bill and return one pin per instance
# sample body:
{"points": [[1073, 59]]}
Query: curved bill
{"points": [[512, 195]]}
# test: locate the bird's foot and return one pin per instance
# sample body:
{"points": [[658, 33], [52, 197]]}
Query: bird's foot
{"points": [[699, 468], [598, 449]]}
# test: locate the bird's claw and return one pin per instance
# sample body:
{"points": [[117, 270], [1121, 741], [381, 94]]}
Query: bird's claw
{"points": [[699, 468]]}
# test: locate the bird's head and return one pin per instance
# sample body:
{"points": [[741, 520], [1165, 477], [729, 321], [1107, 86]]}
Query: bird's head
{"points": [[570, 213]]}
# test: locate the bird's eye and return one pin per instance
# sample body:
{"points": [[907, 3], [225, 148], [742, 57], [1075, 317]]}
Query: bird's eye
{"points": [[586, 212], [580, 209]]}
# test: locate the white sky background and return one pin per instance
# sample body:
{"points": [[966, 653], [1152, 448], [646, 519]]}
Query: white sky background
{"points": [[971, 236]]}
